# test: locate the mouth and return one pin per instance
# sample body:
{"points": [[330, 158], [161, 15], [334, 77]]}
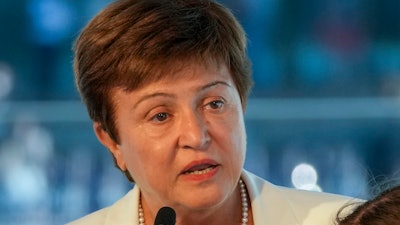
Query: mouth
{"points": [[200, 167]]}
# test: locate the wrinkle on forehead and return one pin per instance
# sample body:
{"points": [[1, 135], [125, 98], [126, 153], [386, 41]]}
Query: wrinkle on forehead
{"points": [[165, 70]]}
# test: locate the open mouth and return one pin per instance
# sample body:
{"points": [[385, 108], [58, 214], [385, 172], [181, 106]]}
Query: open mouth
{"points": [[200, 169]]}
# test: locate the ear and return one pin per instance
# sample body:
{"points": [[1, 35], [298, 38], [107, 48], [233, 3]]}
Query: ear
{"points": [[109, 143]]}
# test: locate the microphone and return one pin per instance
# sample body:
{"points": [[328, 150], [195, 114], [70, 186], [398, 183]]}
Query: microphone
{"points": [[165, 216]]}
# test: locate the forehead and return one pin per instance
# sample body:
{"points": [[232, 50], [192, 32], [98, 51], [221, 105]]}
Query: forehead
{"points": [[187, 83], [143, 73], [183, 72], [192, 66], [193, 77], [198, 71]]}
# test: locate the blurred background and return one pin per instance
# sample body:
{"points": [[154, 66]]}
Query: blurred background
{"points": [[324, 114]]}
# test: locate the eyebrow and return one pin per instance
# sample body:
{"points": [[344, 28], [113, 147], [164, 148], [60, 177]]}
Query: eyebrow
{"points": [[215, 83], [156, 94], [163, 94]]}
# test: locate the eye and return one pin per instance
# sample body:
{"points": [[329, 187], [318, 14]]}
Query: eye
{"points": [[160, 117], [215, 105]]}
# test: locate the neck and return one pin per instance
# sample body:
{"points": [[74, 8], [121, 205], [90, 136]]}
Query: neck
{"points": [[230, 212]]}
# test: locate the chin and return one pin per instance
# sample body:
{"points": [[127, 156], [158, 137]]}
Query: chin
{"points": [[204, 200]]}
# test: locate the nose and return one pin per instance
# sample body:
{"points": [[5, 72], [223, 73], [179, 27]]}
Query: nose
{"points": [[194, 133]]}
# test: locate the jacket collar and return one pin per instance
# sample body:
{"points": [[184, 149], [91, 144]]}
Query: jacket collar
{"points": [[125, 210], [267, 203]]}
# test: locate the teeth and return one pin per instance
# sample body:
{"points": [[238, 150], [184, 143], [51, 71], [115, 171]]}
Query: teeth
{"points": [[198, 172]]}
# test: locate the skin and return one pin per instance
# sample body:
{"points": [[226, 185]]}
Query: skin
{"points": [[191, 121]]}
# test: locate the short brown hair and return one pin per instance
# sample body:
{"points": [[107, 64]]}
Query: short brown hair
{"points": [[132, 42]]}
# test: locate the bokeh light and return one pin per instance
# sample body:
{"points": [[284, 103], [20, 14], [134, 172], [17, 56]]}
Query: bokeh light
{"points": [[305, 177]]}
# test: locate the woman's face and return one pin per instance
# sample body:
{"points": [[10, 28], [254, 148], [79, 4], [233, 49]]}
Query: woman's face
{"points": [[182, 139]]}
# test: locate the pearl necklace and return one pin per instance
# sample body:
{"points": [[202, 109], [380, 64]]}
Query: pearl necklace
{"points": [[243, 195]]}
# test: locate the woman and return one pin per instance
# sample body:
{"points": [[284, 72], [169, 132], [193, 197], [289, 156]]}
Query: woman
{"points": [[166, 84]]}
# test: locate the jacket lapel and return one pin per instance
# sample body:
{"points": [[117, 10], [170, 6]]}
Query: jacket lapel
{"points": [[268, 205], [125, 210]]}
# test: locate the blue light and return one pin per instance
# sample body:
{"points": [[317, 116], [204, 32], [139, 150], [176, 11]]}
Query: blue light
{"points": [[51, 20]]}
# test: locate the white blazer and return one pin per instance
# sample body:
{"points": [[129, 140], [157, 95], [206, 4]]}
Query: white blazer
{"points": [[271, 205]]}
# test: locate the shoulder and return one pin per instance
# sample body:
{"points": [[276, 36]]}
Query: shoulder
{"points": [[98, 217], [263, 187], [123, 211], [297, 206]]}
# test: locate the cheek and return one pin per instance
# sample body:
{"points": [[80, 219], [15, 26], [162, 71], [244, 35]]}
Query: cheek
{"points": [[144, 153], [233, 132], [233, 145], [239, 135], [239, 138], [134, 148]]}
